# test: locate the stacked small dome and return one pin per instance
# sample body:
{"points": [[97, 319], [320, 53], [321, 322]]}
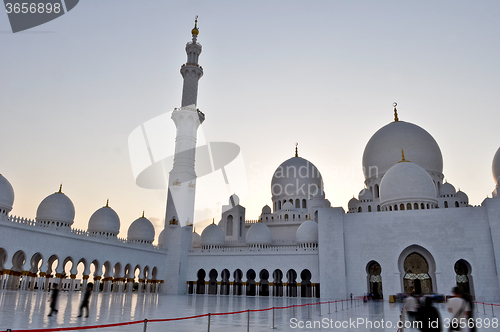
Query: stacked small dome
{"points": [[259, 235], [212, 236], [141, 231], [462, 197], [307, 233], [104, 222], [353, 205], [447, 190], [56, 209], [365, 195], [407, 185], [6, 195]]}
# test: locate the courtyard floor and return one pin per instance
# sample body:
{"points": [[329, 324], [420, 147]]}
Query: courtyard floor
{"points": [[28, 310]]}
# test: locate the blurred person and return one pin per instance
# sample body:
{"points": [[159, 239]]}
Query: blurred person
{"points": [[429, 316], [470, 314], [459, 308], [85, 301], [411, 306], [53, 299]]}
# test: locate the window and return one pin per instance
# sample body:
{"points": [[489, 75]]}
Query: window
{"points": [[304, 205], [456, 204], [445, 204], [369, 208], [360, 209], [229, 225]]}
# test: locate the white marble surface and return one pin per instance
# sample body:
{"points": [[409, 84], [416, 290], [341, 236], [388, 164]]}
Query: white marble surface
{"points": [[28, 310]]}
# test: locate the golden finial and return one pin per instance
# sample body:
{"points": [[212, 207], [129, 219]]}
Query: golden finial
{"points": [[403, 160], [60, 189], [396, 119], [213, 221], [309, 217], [296, 149], [107, 203], [195, 30], [194, 229], [142, 214]]}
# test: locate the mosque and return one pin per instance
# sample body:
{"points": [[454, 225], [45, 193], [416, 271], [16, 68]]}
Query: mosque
{"points": [[408, 230]]}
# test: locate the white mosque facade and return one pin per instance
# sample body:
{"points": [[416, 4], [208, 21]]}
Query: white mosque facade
{"points": [[408, 230]]}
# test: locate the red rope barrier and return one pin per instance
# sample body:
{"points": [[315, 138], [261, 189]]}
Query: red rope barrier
{"points": [[174, 319]]}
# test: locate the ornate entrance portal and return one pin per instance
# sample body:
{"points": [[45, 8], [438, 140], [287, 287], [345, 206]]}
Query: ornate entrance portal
{"points": [[417, 279], [375, 280]]}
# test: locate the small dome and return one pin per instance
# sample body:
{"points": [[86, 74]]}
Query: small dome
{"points": [[307, 232], [212, 235], [353, 203], [104, 221], [259, 233], [447, 189], [234, 200], [288, 206], [407, 182], [266, 209], [196, 240], [294, 178], [462, 197], [383, 150], [161, 240], [6, 194], [141, 230], [496, 167], [56, 208], [365, 195]]}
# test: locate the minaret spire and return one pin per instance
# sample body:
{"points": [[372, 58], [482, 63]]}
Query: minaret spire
{"points": [[396, 119], [191, 71]]}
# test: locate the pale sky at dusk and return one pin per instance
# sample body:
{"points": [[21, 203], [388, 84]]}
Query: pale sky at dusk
{"points": [[320, 73]]}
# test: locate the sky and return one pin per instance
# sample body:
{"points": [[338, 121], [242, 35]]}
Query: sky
{"points": [[320, 73]]}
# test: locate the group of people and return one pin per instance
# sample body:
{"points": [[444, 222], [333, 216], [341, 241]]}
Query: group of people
{"points": [[85, 301], [461, 307]]}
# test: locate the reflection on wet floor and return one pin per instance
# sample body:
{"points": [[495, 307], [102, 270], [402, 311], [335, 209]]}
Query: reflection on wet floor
{"points": [[28, 310]]}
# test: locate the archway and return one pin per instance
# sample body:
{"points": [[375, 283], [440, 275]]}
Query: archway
{"points": [[264, 283], [291, 276], [374, 272], [224, 286], [251, 287], [305, 284], [277, 283], [238, 283], [464, 277], [417, 279], [200, 283], [212, 282]]}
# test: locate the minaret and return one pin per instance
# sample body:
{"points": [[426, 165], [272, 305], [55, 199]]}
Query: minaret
{"points": [[182, 178]]}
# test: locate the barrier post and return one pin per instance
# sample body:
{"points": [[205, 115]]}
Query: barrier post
{"points": [[208, 322], [328, 307], [492, 311], [484, 309], [477, 308], [308, 312], [319, 308], [342, 301], [145, 325], [335, 306], [248, 320], [293, 311], [273, 320]]}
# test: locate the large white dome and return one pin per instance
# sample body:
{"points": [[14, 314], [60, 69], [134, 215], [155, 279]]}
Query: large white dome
{"points": [[307, 232], [212, 235], [496, 167], [141, 230], [56, 208], [259, 234], [296, 177], [407, 182], [104, 221], [6, 194], [383, 150]]}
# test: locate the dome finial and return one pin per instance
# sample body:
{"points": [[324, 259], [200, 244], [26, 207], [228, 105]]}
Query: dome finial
{"points": [[194, 229], [60, 189], [296, 149], [107, 203], [213, 221], [396, 119], [142, 214], [195, 30], [403, 160]]}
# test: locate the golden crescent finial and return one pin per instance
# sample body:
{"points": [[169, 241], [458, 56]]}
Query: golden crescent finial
{"points": [[296, 149], [396, 119], [195, 30], [143, 214], [213, 221], [107, 202], [60, 189]]}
